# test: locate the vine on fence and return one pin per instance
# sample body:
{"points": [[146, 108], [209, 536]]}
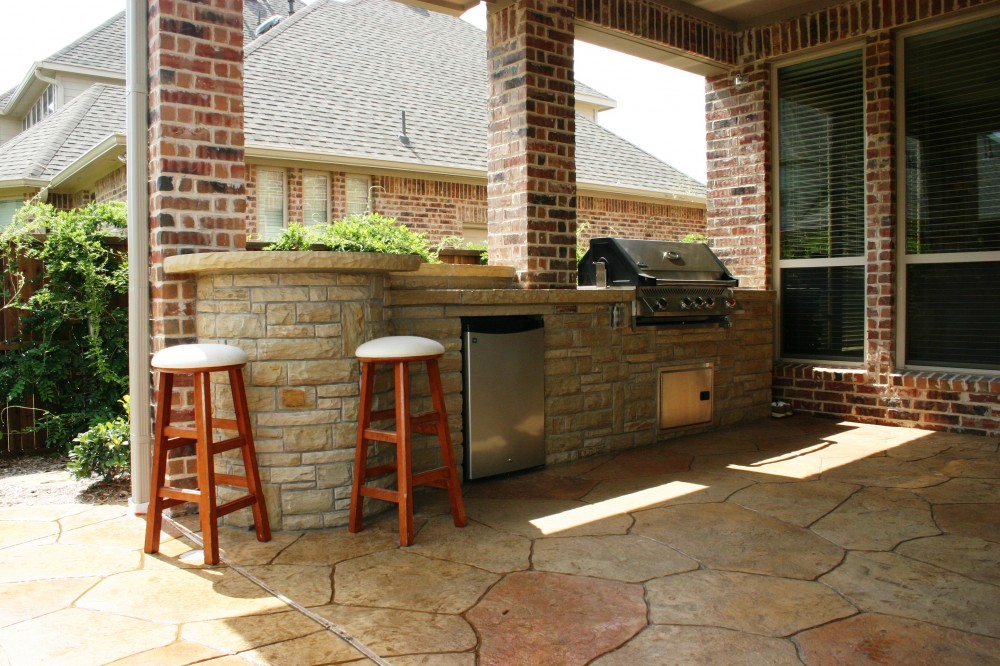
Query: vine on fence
{"points": [[70, 348]]}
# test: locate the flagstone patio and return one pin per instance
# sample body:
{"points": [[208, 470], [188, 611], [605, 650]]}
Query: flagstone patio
{"points": [[781, 542]]}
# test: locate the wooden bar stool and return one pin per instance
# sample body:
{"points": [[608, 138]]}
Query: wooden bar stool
{"points": [[400, 351], [201, 361]]}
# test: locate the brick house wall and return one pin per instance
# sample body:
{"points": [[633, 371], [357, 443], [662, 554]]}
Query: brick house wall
{"points": [[113, 187], [741, 198], [442, 208]]}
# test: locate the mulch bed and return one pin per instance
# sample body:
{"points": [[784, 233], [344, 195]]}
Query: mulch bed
{"points": [[55, 484]]}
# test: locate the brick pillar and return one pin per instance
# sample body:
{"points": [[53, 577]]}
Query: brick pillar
{"points": [[739, 166], [532, 141], [880, 206], [197, 201]]}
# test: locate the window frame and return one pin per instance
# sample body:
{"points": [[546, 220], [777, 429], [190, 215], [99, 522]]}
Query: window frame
{"points": [[327, 198], [778, 264], [903, 259], [262, 231], [368, 193]]}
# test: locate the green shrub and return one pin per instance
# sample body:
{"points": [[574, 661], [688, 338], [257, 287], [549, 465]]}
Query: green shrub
{"points": [[103, 450], [71, 348], [368, 232]]}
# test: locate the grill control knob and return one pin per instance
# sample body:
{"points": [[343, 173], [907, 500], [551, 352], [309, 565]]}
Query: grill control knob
{"points": [[699, 303], [730, 302], [710, 303], [685, 303], [661, 304]]}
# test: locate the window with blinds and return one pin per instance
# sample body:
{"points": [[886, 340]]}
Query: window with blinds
{"points": [[821, 208], [271, 202], [7, 210], [315, 198], [951, 182], [357, 194]]}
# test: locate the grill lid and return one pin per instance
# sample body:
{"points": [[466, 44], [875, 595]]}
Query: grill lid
{"points": [[638, 262]]}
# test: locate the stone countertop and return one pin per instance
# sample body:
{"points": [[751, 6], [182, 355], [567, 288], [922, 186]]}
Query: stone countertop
{"points": [[510, 296], [290, 262]]}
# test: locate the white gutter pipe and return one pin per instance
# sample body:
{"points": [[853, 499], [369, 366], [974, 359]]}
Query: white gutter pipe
{"points": [[137, 164]]}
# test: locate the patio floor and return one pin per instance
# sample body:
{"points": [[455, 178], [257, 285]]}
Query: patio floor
{"points": [[781, 542]]}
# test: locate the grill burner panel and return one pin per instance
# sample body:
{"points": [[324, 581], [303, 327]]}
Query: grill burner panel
{"points": [[676, 283]]}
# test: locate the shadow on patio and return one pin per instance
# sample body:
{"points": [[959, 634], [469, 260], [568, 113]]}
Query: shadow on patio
{"points": [[793, 541]]}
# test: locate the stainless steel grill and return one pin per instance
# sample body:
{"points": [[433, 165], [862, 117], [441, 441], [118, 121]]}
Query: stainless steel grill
{"points": [[676, 283]]}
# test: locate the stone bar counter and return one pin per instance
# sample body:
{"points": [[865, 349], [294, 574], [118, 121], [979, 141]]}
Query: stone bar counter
{"points": [[300, 316]]}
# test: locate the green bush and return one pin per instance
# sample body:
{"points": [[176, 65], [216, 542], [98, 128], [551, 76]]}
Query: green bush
{"points": [[71, 348], [369, 232], [103, 449]]}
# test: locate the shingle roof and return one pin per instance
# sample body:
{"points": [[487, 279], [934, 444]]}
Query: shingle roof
{"points": [[50, 146], [335, 77], [102, 48], [5, 97]]}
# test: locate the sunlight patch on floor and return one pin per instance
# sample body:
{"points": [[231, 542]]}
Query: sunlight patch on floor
{"points": [[615, 506]]}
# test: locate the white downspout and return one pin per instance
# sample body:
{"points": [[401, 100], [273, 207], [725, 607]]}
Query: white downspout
{"points": [[137, 165]]}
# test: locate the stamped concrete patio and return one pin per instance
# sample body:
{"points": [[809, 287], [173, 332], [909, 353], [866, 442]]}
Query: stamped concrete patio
{"points": [[780, 542]]}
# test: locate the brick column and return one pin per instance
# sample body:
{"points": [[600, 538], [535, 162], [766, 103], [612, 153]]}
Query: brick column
{"points": [[739, 172], [196, 173], [880, 207], [532, 141]]}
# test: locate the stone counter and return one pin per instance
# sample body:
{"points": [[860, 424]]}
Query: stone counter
{"points": [[300, 316]]}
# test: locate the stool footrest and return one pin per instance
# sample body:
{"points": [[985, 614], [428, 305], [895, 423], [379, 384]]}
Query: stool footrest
{"points": [[227, 444], [231, 480], [236, 504], [180, 494], [380, 435], [431, 476], [379, 470], [379, 493], [177, 442]]}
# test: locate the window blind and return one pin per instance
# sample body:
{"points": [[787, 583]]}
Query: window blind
{"points": [[270, 202], [821, 196], [951, 177], [315, 198], [821, 149]]}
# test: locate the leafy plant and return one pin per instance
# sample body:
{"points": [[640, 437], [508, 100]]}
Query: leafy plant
{"points": [[70, 349], [695, 238], [459, 243], [103, 449], [368, 232]]}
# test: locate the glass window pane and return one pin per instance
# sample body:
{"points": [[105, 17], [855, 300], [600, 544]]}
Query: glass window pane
{"points": [[953, 315], [821, 153], [953, 139], [315, 198], [357, 194], [270, 202], [823, 313]]}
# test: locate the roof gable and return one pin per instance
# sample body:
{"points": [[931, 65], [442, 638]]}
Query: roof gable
{"points": [[53, 144], [337, 77]]}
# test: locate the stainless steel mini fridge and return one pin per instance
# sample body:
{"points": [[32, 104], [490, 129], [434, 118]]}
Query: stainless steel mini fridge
{"points": [[504, 385]]}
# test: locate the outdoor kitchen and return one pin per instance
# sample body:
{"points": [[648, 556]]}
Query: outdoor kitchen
{"points": [[615, 376]]}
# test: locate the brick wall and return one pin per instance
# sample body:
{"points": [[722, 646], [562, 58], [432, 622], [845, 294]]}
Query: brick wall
{"points": [[196, 147], [440, 208], [113, 187], [599, 216], [531, 145], [740, 201]]}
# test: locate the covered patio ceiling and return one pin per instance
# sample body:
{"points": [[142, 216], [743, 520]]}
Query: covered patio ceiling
{"points": [[733, 15]]}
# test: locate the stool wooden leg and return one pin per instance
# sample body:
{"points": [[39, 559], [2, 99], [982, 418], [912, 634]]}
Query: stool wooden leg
{"points": [[444, 437], [249, 451], [404, 462], [206, 466], [154, 512], [361, 450]]}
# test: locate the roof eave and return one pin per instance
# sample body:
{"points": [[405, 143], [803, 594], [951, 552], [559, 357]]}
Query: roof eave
{"points": [[450, 7], [300, 155], [23, 97], [96, 163], [22, 183]]}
